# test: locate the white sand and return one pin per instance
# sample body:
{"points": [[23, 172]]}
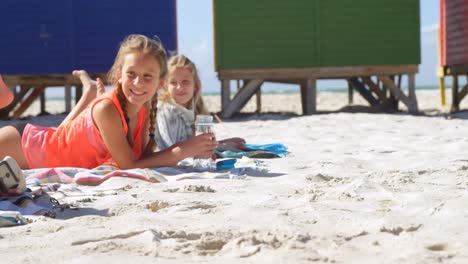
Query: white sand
{"points": [[357, 188]]}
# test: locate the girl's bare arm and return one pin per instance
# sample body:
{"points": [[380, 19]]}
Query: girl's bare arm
{"points": [[107, 120]]}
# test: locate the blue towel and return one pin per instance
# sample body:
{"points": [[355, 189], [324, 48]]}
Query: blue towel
{"points": [[259, 151], [277, 148]]}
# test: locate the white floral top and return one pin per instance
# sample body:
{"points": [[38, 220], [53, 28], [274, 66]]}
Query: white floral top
{"points": [[175, 123]]}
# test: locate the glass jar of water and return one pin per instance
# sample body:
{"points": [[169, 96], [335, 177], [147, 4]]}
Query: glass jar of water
{"points": [[203, 124]]}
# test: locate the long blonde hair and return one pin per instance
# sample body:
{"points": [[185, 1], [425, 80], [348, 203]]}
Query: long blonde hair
{"points": [[181, 61], [150, 47]]}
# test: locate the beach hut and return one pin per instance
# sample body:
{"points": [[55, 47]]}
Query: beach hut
{"points": [[43, 41], [454, 45], [369, 43]]}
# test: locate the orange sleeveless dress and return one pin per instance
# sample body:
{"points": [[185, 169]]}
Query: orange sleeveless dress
{"points": [[77, 143]]}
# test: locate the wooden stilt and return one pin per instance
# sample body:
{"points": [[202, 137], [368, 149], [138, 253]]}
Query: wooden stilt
{"points": [[241, 98], [413, 102], [392, 99], [225, 93], [455, 101], [18, 98], [442, 90], [384, 89], [43, 104], [376, 89], [28, 101], [361, 89], [303, 86], [67, 98], [350, 93], [309, 96], [259, 100], [463, 92], [398, 94]]}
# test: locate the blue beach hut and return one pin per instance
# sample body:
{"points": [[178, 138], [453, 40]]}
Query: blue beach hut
{"points": [[43, 41]]}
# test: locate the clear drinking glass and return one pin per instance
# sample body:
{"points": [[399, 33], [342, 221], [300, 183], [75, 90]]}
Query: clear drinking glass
{"points": [[203, 124]]}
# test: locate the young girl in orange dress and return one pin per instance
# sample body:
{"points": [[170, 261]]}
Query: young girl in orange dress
{"points": [[117, 128]]}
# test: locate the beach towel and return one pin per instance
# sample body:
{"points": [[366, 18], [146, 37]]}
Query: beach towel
{"points": [[258, 151], [31, 203], [89, 176], [11, 218], [102, 173]]}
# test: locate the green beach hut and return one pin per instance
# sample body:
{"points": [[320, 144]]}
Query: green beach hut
{"points": [[366, 42]]}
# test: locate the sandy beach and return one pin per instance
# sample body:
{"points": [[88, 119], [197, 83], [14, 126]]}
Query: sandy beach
{"points": [[357, 187]]}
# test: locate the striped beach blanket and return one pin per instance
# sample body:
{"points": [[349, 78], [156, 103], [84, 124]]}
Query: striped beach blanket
{"points": [[102, 173]]}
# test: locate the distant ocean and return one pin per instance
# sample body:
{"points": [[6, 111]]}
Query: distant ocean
{"points": [[319, 89], [57, 93]]}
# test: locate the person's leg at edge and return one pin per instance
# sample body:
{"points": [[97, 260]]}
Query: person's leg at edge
{"points": [[10, 145], [6, 95]]}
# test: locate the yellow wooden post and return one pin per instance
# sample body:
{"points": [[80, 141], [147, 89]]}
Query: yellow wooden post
{"points": [[440, 71]]}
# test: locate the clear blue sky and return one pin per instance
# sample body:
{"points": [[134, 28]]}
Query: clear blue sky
{"points": [[429, 12], [195, 35]]}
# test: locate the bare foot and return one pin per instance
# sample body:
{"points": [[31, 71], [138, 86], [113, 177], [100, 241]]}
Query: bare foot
{"points": [[6, 95], [89, 85], [84, 77], [92, 89]]}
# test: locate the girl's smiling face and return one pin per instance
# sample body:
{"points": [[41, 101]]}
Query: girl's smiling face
{"points": [[139, 78], [181, 86]]}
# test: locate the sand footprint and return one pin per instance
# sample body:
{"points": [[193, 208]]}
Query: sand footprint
{"points": [[250, 244], [196, 206], [319, 177], [192, 188], [361, 189], [438, 247], [119, 236], [172, 243], [157, 205], [198, 188], [141, 243], [206, 208], [442, 251], [398, 230], [386, 151]]}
